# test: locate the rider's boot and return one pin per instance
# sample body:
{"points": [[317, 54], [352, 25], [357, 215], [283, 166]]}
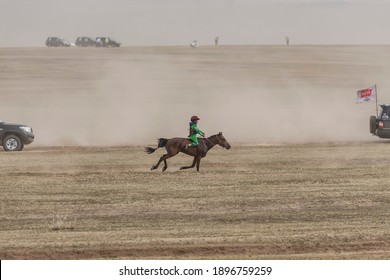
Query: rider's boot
{"points": [[188, 146]]}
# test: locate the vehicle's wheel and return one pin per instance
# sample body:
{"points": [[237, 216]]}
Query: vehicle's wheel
{"points": [[372, 124], [12, 143]]}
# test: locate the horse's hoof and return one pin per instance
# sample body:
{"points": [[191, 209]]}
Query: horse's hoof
{"points": [[164, 168], [153, 168], [181, 168]]}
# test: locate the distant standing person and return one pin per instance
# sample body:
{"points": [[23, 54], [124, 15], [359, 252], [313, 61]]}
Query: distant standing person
{"points": [[216, 40], [287, 40]]}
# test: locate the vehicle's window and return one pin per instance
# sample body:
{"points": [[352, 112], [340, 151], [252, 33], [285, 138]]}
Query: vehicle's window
{"points": [[386, 113]]}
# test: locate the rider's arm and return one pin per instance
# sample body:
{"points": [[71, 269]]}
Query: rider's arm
{"points": [[195, 128], [197, 131]]}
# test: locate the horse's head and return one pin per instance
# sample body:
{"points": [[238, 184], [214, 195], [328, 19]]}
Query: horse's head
{"points": [[222, 141]]}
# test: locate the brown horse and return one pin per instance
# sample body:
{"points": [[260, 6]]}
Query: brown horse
{"points": [[176, 145]]}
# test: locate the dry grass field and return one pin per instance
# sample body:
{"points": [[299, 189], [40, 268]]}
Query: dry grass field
{"points": [[318, 201], [304, 178]]}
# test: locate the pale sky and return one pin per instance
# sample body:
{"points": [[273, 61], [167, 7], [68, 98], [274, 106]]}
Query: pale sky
{"points": [[177, 22]]}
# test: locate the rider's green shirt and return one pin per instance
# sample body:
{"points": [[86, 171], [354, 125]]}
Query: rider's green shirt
{"points": [[194, 130]]}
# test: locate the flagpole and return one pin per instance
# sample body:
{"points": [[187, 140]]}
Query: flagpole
{"points": [[376, 101]]}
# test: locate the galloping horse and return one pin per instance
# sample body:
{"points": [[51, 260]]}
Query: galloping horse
{"points": [[176, 145]]}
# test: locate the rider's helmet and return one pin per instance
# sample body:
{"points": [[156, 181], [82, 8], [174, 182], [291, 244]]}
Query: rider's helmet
{"points": [[194, 118]]}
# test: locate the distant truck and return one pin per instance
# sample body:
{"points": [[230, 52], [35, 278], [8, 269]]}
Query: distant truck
{"points": [[380, 126], [107, 42], [57, 42], [85, 42], [13, 137]]}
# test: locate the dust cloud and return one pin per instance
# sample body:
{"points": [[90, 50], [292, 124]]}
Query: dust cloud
{"points": [[133, 95]]}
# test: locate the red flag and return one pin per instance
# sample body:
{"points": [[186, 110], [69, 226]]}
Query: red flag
{"points": [[366, 95]]}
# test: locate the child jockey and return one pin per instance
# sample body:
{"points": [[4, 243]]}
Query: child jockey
{"points": [[194, 131]]}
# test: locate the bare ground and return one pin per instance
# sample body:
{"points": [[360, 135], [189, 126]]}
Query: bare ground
{"points": [[312, 201]]}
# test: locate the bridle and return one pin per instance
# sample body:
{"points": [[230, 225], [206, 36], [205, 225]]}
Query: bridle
{"points": [[216, 136]]}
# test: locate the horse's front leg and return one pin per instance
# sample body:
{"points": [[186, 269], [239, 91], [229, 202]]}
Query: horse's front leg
{"points": [[191, 166], [198, 164]]}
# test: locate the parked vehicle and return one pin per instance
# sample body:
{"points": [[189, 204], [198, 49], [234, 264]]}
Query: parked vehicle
{"points": [[57, 42], [194, 44], [13, 137], [380, 126], [107, 42], [85, 42]]}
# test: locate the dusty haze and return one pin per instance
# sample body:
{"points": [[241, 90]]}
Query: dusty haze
{"points": [[177, 22], [132, 95]]}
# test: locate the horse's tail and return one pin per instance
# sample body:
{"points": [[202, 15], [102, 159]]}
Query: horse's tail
{"points": [[161, 143]]}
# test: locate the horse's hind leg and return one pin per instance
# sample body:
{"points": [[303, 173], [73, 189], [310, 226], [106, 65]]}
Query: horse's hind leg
{"points": [[171, 151], [163, 158], [158, 163], [165, 165]]}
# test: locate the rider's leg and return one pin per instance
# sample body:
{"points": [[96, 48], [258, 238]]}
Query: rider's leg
{"points": [[194, 141]]}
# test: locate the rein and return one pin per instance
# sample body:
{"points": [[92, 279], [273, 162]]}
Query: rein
{"points": [[216, 136]]}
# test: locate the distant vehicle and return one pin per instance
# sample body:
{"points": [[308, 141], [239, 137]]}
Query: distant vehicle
{"points": [[194, 44], [381, 126], [57, 42], [106, 42], [13, 137], [85, 42]]}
